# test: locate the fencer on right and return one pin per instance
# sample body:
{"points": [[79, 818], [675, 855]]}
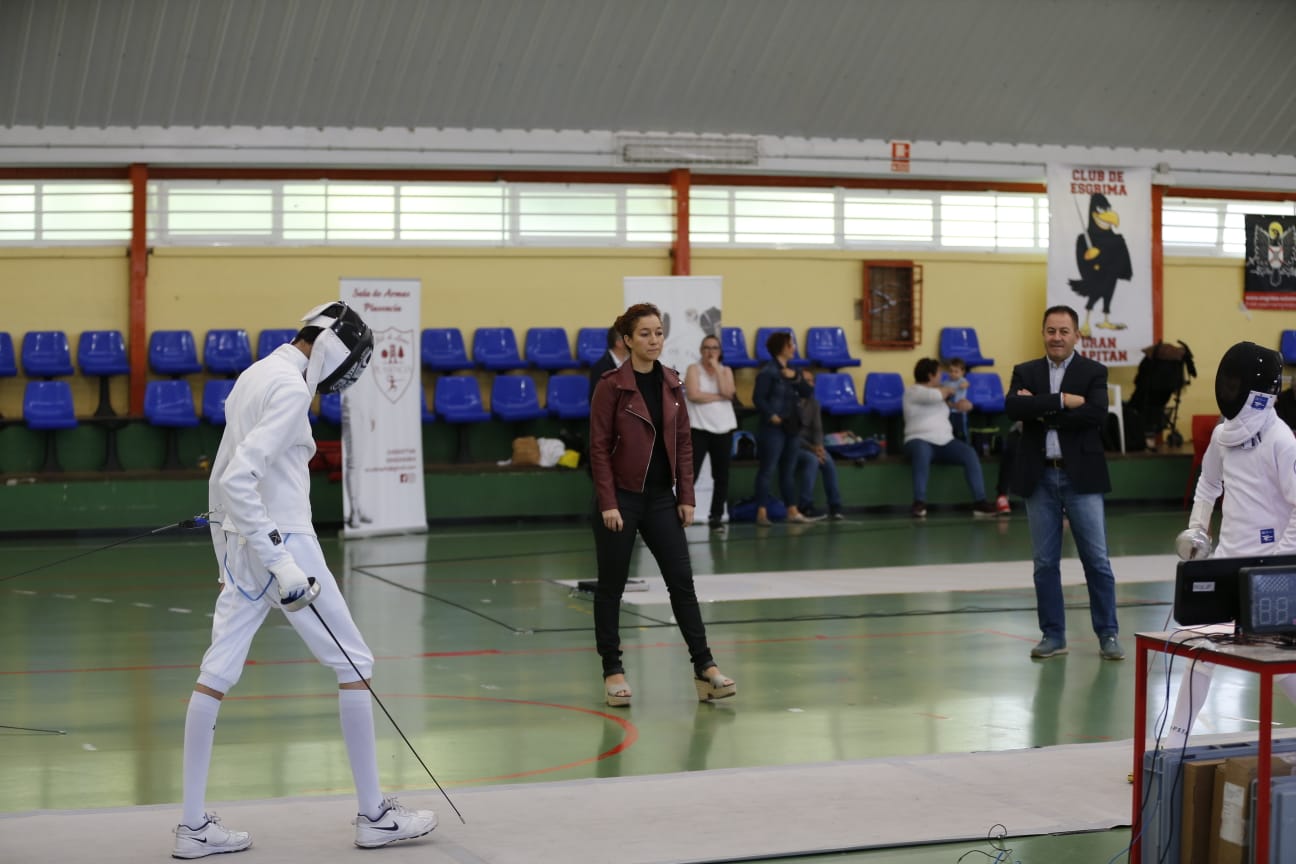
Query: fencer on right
{"points": [[1251, 460]]}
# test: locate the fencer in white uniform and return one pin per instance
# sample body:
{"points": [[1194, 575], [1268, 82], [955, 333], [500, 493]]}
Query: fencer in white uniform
{"points": [[269, 557], [1251, 460]]}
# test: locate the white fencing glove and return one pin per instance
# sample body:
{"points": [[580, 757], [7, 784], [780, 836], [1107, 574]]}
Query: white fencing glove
{"points": [[1193, 544], [296, 589]]}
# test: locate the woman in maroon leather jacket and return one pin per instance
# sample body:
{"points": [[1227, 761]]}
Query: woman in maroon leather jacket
{"points": [[641, 457]]}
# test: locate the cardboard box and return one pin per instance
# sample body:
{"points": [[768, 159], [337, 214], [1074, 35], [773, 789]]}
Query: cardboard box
{"points": [[1198, 807], [1231, 807]]}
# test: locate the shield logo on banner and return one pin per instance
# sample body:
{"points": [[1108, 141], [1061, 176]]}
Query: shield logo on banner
{"points": [[393, 361]]}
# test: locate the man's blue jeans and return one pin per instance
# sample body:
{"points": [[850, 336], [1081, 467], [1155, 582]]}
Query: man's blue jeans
{"points": [[776, 449], [1052, 499], [956, 452], [807, 466]]}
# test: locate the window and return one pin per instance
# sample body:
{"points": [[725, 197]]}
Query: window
{"points": [[1212, 227], [56, 212]]}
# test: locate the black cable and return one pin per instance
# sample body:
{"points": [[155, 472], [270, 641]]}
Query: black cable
{"points": [[196, 522], [395, 725]]}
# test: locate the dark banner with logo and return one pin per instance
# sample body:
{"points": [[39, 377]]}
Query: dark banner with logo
{"points": [[1270, 262]]}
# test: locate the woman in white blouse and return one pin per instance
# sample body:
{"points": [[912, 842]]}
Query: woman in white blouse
{"points": [[709, 388]]}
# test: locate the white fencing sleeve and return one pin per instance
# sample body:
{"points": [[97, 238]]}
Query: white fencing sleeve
{"points": [[283, 410]]}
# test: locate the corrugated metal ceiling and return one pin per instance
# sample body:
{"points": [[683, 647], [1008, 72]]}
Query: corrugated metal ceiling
{"points": [[1190, 75]]}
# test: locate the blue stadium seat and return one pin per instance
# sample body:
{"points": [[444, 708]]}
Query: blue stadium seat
{"points": [[47, 407], [567, 397], [46, 354], [1286, 345], [102, 354], [962, 342], [515, 397], [442, 350], [169, 405], [331, 408], [173, 352], [884, 393], [227, 352], [269, 340], [547, 348], [591, 345], [827, 347], [762, 354], [495, 349], [458, 400], [8, 365], [733, 349], [985, 392], [836, 394], [215, 392]]}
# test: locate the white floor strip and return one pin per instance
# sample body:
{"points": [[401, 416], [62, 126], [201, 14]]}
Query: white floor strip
{"points": [[684, 818], [989, 576]]}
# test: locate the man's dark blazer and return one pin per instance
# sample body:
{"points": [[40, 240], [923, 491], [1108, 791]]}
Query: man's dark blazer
{"points": [[603, 364], [1079, 429]]}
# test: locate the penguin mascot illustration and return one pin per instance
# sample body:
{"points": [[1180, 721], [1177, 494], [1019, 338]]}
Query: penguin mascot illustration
{"points": [[1102, 259]]}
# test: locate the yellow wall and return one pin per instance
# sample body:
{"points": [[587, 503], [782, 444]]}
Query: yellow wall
{"points": [[1002, 296]]}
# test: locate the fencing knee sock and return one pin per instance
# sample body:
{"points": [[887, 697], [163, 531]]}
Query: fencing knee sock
{"points": [[1193, 689], [200, 732], [355, 708]]}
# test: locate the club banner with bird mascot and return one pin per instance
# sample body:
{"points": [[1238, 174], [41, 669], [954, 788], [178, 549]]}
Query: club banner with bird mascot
{"points": [[1100, 257], [1270, 262], [382, 415]]}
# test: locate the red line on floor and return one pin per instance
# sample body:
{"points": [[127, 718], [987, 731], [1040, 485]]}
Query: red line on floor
{"points": [[631, 731], [495, 652]]}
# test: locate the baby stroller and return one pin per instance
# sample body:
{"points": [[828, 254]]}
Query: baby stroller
{"points": [[1162, 374]]}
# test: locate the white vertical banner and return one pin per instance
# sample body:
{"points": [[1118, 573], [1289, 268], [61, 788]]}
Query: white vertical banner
{"points": [[382, 415], [690, 307], [1100, 257]]}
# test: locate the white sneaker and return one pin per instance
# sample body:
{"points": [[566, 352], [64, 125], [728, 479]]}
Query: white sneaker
{"points": [[210, 839], [394, 823]]}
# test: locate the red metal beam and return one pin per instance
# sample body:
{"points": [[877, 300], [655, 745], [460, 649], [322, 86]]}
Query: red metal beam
{"points": [[411, 175], [1158, 264], [1230, 194], [139, 176], [866, 183], [681, 248]]}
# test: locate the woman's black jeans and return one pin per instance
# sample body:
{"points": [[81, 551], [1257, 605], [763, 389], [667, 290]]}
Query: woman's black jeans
{"points": [[652, 515]]}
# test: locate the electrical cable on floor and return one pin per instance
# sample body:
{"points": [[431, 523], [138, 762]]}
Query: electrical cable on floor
{"points": [[995, 838]]}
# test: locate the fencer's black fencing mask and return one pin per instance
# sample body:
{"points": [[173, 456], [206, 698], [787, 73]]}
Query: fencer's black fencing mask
{"points": [[1246, 368], [341, 350]]}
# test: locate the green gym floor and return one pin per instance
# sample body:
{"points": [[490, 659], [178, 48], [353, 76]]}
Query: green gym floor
{"points": [[488, 665]]}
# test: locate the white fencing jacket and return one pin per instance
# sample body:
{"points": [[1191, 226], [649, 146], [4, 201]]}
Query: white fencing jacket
{"points": [[260, 482], [1258, 480]]}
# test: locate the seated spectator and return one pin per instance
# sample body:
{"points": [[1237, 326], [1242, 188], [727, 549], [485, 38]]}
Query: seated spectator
{"points": [[1006, 457], [956, 376], [814, 459], [930, 438]]}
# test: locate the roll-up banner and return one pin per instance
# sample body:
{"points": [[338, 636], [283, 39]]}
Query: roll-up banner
{"points": [[382, 434]]}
